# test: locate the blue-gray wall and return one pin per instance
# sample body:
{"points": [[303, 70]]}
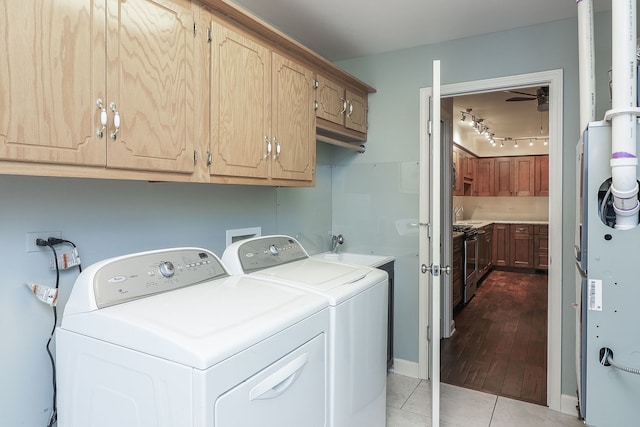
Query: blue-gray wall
{"points": [[108, 218], [394, 142]]}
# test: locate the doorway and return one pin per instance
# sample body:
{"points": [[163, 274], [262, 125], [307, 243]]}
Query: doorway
{"points": [[552, 79]]}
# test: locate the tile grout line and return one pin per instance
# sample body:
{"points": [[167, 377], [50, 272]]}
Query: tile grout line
{"points": [[493, 411], [410, 394]]}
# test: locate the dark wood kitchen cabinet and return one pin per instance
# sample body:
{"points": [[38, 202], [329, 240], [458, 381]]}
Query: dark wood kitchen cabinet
{"points": [[485, 251], [521, 246], [501, 235], [541, 247], [457, 274], [541, 176], [514, 176], [484, 181]]}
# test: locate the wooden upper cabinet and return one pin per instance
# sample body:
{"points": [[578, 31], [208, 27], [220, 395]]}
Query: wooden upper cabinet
{"points": [[356, 115], [293, 121], [150, 81], [262, 115], [48, 110], [240, 113], [503, 176], [340, 111], [542, 176], [523, 176], [53, 83], [484, 182]]}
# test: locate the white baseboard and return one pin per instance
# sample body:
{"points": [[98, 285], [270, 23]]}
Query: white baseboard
{"points": [[568, 404], [406, 368]]}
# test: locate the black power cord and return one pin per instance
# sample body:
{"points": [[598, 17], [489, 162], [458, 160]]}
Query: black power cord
{"points": [[50, 243]]}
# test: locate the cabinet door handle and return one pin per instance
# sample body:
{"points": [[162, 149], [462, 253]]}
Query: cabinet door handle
{"points": [[116, 121], [344, 105], [275, 141], [266, 139], [350, 109], [103, 118]]}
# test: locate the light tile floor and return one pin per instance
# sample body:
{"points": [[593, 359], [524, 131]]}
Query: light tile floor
{"points": [[409, 405]]}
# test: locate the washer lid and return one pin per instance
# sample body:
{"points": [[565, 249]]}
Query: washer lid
{"points": [[337, 281], [199, 325]]}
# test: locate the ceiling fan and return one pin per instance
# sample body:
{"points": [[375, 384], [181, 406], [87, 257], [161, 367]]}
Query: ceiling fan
{"points": [[541, 95]]}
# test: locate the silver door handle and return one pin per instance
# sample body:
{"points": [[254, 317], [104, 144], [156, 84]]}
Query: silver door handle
{"points": [[435, 270]]}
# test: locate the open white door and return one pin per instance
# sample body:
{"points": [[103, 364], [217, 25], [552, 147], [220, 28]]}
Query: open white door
{"points": [[429, 246]]}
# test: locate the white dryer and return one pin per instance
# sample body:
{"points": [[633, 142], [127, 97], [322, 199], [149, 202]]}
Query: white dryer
{"points": [[357, 298], [168, 339]]}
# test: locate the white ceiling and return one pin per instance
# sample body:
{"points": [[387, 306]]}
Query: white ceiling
{"points": [[342, 29]]}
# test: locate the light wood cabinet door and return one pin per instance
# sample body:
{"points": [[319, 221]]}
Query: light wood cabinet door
{"points": [[346, 109], [524, 176], [356, 114], [240, 105], [293, 121], [150, 52], [52, 70], [332, 104]]}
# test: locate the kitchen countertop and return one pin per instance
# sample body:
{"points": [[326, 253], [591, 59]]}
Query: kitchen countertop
{"points": [[479, 223]]}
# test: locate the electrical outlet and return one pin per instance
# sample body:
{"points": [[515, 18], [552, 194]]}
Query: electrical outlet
{"points": [[33, 235]]}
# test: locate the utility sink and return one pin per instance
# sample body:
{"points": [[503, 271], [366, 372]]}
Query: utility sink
{"points": [[351, 258]]}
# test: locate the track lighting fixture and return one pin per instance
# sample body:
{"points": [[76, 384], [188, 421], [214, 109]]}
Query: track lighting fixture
{"points": [[480, 127]]}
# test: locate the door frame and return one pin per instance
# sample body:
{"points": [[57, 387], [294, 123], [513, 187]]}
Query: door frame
{"points": [[554, 79]]}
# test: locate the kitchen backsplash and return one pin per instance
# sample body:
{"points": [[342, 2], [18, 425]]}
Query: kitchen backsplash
{"points": [[504, 208]]}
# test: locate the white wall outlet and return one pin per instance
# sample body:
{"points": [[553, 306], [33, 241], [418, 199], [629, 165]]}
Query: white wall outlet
{"points": [[33, 235]]}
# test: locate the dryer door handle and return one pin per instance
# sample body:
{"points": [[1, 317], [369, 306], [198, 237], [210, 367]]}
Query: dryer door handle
{"points": [[278, 382]]}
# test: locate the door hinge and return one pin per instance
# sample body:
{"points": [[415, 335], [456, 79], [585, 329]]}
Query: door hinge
{"points": [[315, 84], [209, 35], [315, 105], [209, 158], [429, 127], [195, 29], [195, 157], [428, 333]]}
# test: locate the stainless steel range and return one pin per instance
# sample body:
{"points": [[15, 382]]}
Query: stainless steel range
{"points": [[470, 272]]}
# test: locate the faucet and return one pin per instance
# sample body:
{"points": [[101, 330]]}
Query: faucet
{"points": [[458, 210], [335, 241]]}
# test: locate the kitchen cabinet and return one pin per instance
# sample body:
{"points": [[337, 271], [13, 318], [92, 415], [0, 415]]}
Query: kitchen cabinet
{"points": [[465, 171], [485, 251], [541, 176], [501, 244], [521, 246], [514, 176], [262, 117], [340, 110], [484, 182], [457, 276], [541, 247], [82, 93]]}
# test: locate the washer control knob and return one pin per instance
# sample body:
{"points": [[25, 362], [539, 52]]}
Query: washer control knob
{"points": [[273, 250], [166, 268]]}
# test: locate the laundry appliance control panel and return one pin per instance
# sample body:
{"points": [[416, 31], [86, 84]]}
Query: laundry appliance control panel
{"points": [[148, 273], [269, 251]]}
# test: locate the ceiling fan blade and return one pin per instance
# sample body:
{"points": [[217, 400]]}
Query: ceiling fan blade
{"points": [[521, 93], [520, 98]]}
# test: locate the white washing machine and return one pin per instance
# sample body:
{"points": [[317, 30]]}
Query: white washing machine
{"points": [[168, 339], [357, 298]]}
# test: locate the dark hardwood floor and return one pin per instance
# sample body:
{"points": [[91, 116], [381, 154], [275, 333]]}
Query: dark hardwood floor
{"points": [[500, 343]]}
